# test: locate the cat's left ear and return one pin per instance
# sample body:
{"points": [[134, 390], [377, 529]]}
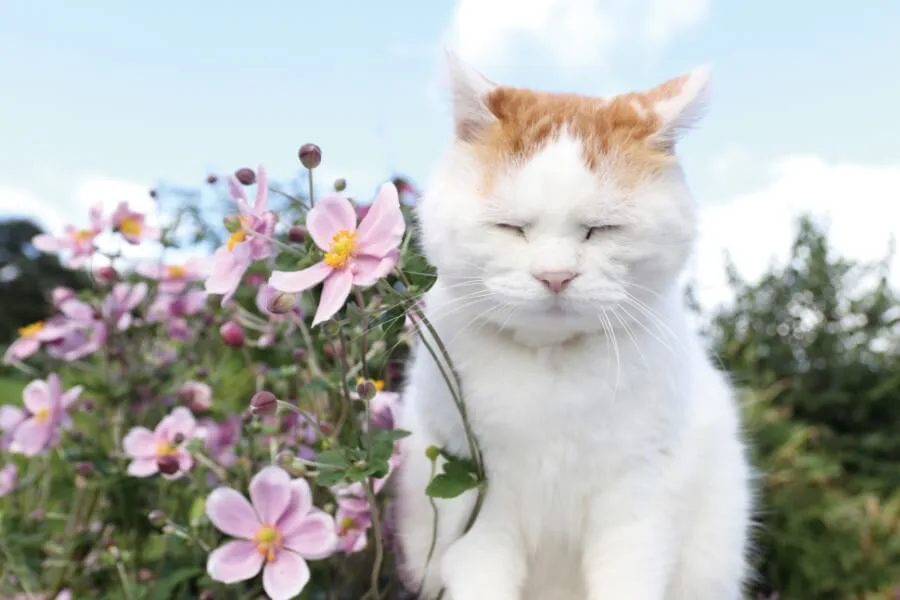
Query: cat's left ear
{"points": [[469, 90], [679, 103]]}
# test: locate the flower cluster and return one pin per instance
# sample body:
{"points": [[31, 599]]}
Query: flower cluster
{"points": [[140, 389]]}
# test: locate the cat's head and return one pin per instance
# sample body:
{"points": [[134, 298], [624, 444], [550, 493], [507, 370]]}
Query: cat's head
{"points": [[551, 212]]}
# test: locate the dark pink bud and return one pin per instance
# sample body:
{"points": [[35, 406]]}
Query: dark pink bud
{"points": [[298, 354], [153, 193], [168, 465], [232, 334], [106, 274], [297, 234], [245, 176], [263, 403], [85, 469], [310, 155], [211, 179], [145, 575]]}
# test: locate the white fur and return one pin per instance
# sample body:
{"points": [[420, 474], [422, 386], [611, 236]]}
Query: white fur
{"points": [[615, 465]]}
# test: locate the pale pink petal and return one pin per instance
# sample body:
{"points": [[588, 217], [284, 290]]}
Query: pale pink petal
{"points": [[230, 512], [11, 417], [76, 309], [71, 395], [143, 467], [45, 243], [140, 442], [299, 507], [36, 396], [381, 230], [292, 282], [315, 538], [185, 460], [32, 437], [334, 295], [236, 189], [270, 492], [330, 214], [21, 349], [262, 190], [234, 561], [285, 577], [180, 421], [97, 223], [367, 270]]}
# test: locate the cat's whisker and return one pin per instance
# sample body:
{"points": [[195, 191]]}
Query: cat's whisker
{"points": [[612, 334], [631, 335]]}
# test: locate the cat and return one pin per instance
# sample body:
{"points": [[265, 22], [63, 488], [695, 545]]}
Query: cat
{"points": [[559, 225]]}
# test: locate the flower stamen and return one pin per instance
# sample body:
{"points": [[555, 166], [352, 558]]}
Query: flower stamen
{"points": [[32, 329], [343, 244], [269, 541], [130, 226]]}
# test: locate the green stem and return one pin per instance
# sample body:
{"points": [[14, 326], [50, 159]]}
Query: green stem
{"points": [[379, 541]]}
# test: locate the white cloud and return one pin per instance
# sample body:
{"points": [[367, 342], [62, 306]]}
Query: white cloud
{"points": [[859, 204], [573, 33]]}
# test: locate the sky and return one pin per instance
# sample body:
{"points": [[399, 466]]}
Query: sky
{"points": [[101, 101]]}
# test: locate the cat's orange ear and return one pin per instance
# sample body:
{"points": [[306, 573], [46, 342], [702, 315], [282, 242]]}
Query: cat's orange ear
{"points": [[678, 104], [469, 90]]}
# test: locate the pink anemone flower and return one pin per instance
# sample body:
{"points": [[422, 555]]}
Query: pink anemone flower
{"points": [[119, 303], [132, 225], [147, 448], [81, 242], [173, 278], [243, 247], [31, 337], [278, 531], [8, 476], [353, 256], [47, 407]]}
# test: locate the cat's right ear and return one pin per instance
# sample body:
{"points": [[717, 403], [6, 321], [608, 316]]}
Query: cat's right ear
{"points": [[469, 90]]}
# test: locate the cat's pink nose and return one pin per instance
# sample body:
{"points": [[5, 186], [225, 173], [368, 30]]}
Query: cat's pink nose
{"points": [[555, 281]]}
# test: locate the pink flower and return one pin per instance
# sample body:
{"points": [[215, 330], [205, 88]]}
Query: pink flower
{"points": [[47, 405], [383, 409], [277, 533], [220, 439], [354, 514], [243, 248], [61, 294], [10, 418], [79, 241], [197, 395], [172, 306], [146, 448], [352, 256], [132, 225], [31, 337], [175, 277], [118, 304], [8, 479]]}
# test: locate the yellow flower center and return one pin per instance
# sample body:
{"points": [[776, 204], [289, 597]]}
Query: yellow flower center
{"points": [[268, 540], [42, 415], [345, 525], [378, 383], [30, 330], [176, 271], [342, 246], [165, 449], [83, 235], [130, 226], [235, 238]]}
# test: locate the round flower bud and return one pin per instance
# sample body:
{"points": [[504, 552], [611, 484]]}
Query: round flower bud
{"points": [[211, 179], [340, 184], [366, 390], [245, 176], [310, 155], [280, 303], [263, 403], [157, 518], [232, 334], [297, 234], [432, 452], [168, 464]]}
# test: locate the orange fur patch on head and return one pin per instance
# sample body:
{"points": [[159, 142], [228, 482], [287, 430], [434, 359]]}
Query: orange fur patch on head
{"points": [[617, 132]]}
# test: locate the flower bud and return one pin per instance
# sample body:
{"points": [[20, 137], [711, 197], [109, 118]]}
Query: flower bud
{"points": [[206, 595], [298, 354], [145, 575], [297, 233], [310, 155], [168, 464], [85, 469], [232, 334], [211, 179], [432, 452], [157, 518], [340, 184], [245, 176], [263, 403], [178, 439], [284, 458], [366, 390], [280, 303], [105, 274], [153, 193], [232, 223]]}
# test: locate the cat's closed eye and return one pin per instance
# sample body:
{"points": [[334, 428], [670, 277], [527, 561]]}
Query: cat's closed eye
{"points": [[516, 229], [598, 229]]}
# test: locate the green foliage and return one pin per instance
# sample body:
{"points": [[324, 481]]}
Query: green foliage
{"points": [[818, 341]]}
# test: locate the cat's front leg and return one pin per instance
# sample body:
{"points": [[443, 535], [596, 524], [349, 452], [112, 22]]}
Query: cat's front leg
{"points": [[488, 562], [627, 546]]}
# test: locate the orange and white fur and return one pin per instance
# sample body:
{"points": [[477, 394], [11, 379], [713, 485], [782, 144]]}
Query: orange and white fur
{"points": [[559, 226]]}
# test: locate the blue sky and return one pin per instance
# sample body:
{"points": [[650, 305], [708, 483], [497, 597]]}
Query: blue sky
{"points": [[104, 99]]}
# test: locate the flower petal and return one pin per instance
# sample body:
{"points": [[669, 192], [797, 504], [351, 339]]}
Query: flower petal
{"points": [[234, 561], [143, 467], [71, 395], [262, 190], [32, 437], [45, 243], [270, 492], [230, 512], [334, 295], [381, 230], [286, 576], [21, 349], [367, 270], [298, 508], [10, 417], [228, 268], [315, 538], [330, 215], [236, 189], [37, 396], [292, 282], [140, 443]]}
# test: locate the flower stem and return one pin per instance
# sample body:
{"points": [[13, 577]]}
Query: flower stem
{"points": [[379, 541]]}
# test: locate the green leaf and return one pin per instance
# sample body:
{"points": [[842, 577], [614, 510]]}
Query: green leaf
{"points": [[447, 486], [165, 588], [333, 459]]}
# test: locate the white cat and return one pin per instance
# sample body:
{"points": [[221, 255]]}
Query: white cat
{"points": [[559, 226]]}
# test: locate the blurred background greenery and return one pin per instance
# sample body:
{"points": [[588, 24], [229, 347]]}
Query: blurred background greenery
{"points": [[814, 348]]}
